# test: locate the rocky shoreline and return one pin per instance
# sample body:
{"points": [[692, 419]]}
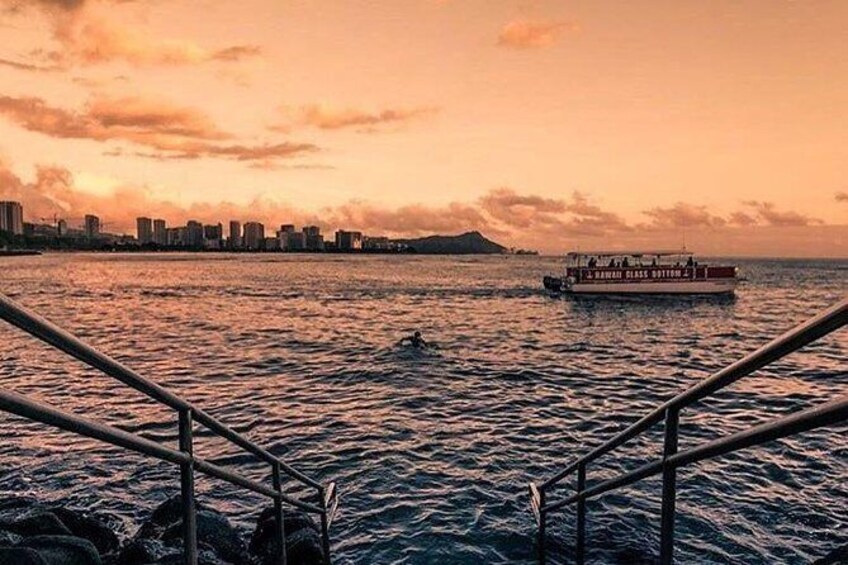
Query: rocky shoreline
{"points": [[35, 533]]}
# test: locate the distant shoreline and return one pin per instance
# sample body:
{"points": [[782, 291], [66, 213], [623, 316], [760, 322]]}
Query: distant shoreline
{"points": [[410, 253]]}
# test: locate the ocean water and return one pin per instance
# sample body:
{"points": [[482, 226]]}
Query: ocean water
{"points": [[432, 450]]}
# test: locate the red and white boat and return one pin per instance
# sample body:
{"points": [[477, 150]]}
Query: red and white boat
{"points": [[642, 272]]}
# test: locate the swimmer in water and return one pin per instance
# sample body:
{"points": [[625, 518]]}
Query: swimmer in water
{"points": [[415, 340]]}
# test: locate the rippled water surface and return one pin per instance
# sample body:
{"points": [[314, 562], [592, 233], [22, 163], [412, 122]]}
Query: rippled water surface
{"points": [[433, 449]]}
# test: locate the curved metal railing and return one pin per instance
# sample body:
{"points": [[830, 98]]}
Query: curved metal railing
{"points": [[826, 414], [188, 415]]}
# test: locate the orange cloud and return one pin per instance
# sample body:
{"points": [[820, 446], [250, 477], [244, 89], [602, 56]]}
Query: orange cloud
{"points": [[525, 34], [29, 67], [683, 215], [549, 224], [742, 219], [411, 220], [841, 196], [53, 192], [87, 39], [321, 117], [550, 217], [172, 132], [767, 212]]}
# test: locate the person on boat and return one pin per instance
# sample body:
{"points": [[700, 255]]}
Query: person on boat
{"points": [[415, 340]]}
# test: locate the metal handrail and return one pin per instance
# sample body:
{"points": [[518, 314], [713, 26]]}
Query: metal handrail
{"points": [[826, 414], [39, 327]]}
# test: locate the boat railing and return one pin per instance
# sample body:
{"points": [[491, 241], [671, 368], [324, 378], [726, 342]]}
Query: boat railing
{"points": [[824, 414], [187, 416]]}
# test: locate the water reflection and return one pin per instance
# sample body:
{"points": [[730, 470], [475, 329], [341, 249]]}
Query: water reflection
{"points": [[432, 449]]}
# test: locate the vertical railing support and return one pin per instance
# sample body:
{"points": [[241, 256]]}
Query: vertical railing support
{"points": [[581, 514], [278, 515], [541, 534], [325, 527], [187, 489], [669, 488]]}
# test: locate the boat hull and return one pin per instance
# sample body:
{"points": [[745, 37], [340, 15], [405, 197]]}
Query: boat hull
{"points": [[692, 287], [717, 286], [695, 287]]}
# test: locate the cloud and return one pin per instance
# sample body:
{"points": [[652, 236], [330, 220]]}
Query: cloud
{"points": [[767, 212], [683, 215], [525, 34], [521, 211], [321, 117], [550, 216], [236, 53], [742, 219], [53, 191], [841, 196], [412, 220], [86, 38], [29, 67], [166, 130]]}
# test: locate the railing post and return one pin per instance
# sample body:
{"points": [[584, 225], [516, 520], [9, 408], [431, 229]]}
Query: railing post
{"points": [[581, 514], [669, 487], [278, 515], [325, 528], [541, 534], [187, 489]]}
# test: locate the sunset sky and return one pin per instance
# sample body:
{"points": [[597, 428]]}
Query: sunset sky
{"points": [[547, 124]]}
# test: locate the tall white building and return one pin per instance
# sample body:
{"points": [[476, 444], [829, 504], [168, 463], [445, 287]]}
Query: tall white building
{"points": [[12, 217], [254, 235], [92, 226], [144, 230], [235, 234], [160, 232]]}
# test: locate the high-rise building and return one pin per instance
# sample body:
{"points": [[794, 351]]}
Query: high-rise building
{"points": [[12, 217], [213, 231], [348, 240], [314, 241], [62, 228], [176, 237], [235, 234], [283, 235], [213, 236], [92, 226], [254, 235], [194, 234], [295, 241], [144, 230], [160, 232]]}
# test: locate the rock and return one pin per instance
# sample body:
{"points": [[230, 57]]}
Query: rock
{"points": [[143, 551], [161, 537], [90, 528], [303, 539], [26, 517], [20, 556], [147, 551], [8, 538], [38, 523], [63, 550]]}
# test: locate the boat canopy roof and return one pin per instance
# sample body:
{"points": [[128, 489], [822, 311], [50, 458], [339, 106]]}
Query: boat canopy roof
{"points": [[649, 253]]}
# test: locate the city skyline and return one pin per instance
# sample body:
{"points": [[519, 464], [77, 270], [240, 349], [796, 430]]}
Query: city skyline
{"points": [[156, 234], [544, 125]]}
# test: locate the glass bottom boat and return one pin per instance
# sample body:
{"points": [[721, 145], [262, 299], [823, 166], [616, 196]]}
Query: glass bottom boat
{"points": [[642, 272]]}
